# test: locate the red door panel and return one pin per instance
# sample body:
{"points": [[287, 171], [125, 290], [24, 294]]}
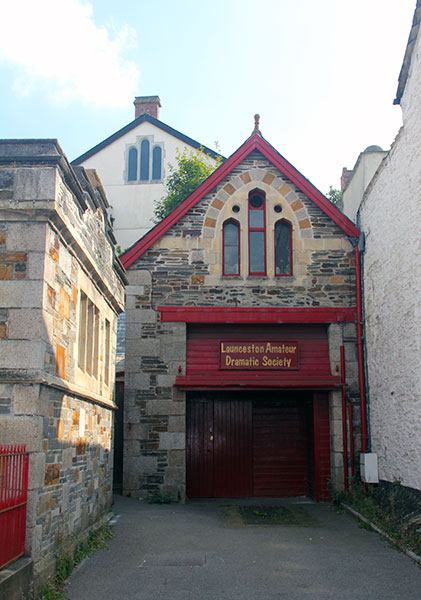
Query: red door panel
{"points": [[233, 448], [199, 459], [280, 451], [242, 444]]}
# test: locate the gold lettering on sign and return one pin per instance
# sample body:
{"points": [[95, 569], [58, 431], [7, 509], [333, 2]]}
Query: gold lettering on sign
{"points": [[250, 355]]}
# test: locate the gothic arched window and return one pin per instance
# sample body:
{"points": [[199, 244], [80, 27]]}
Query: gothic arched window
{"points": [[257, 233], [144, 160], [157, 162], [132, 171], [231, 248], [283, 248]]}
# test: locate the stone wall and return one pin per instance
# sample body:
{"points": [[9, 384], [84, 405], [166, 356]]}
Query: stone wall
{"points": [[55, 246], [390, 216], [70, 468], [184, 268]]}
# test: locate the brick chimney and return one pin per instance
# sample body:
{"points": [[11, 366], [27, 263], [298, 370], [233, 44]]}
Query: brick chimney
{"points": [[346, 174], [147, 104]]}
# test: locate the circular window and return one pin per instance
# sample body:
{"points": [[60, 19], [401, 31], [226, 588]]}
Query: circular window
{"points": [[235, 208], [256, 201], [277, 208]]}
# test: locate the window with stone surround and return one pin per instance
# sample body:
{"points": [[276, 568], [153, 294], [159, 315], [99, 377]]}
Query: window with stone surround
{"points": [[256, 236], [88, 338], [107, 352], [283, 248], [257, 232], [132, 167], [231, 248], [144, 161]]}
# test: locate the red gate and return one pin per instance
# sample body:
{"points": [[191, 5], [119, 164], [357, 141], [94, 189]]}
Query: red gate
{"points": [[13, 495]]}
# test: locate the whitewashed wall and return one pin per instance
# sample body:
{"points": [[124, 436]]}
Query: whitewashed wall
{"points": [[367, 165], [391, 219], [133, 203]]}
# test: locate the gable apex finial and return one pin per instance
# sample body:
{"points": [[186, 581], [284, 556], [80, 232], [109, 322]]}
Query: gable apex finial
{"points": [[256, 124]]}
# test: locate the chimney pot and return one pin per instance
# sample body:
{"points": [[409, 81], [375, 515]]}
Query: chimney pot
{"points": [[147, 104], [345, 177]]}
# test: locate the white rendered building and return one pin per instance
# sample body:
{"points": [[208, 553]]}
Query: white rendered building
{"points": [[133, 165], [388, 212]]}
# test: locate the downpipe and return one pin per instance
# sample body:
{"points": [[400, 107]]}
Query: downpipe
{"points": [[360, 351]]}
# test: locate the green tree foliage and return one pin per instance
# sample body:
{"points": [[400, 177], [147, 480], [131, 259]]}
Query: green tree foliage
{"points": [[334, 196], [192, 168]]}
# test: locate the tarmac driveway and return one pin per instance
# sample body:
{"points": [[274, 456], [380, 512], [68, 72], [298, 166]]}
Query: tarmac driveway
{"points": [[212, 549]]}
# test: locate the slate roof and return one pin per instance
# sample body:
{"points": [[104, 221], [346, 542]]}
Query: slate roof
{"points": [[142, 119], [413, 34]]}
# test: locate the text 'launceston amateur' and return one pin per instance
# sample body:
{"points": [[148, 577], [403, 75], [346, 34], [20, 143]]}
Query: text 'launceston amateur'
{"points": [[259, 355]]}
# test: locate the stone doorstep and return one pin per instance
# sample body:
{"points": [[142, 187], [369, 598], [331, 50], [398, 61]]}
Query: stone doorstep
{"points": [[16, 580]]}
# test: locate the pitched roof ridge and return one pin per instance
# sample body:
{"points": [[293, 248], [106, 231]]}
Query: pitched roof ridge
{"points": [[132, 125], [255, 142]]}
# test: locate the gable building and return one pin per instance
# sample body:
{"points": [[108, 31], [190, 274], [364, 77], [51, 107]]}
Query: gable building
{"points": [[242, 348], [133, 164]]}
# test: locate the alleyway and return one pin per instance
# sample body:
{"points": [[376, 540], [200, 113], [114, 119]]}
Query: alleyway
{"points": [[206, 550]]}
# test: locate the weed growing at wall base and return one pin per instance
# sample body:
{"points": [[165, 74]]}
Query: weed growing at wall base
{"points": [[395, 509], [66, 563]]}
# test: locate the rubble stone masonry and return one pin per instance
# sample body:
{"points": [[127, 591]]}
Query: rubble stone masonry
{"points": [[184, 268]]}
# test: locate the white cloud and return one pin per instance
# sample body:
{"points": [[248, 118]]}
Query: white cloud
{"points": [[55, 46]]}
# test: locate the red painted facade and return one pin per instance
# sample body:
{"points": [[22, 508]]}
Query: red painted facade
{"points": [[258, 443], [229, 314], [203, 358]]}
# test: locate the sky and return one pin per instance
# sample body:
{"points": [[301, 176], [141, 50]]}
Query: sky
{"points": [[322, 75]]}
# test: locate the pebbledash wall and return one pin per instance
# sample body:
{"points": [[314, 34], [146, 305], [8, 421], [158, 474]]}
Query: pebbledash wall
{"points": [[184, 268], [61, 289], [390, 216]]}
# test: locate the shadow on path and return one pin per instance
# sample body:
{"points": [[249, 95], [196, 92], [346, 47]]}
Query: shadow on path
{"points": [[208, 549]]}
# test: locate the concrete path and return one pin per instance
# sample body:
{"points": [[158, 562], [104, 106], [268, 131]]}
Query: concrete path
{"points": [[193, 552]]}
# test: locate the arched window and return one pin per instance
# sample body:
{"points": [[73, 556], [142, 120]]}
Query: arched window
{"points": [[283, 248], [144, 160], [132, 171], [257, 237], [231, 247], [157, 163]]}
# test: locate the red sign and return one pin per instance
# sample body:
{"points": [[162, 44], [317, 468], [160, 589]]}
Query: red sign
{"points": [[262, 354]]}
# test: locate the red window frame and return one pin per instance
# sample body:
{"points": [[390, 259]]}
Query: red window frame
{"points": [[237, 224], [290, 248], [257, 192]]}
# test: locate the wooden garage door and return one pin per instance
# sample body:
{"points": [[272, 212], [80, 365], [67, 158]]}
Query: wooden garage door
{"points": [[241, 446], [280, 449]]}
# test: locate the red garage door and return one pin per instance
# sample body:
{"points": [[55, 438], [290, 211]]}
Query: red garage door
{"points": [[256, 444], [281, 432]]}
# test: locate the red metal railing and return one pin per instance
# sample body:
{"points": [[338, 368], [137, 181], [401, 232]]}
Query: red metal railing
{"points": [[13, 494]]}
